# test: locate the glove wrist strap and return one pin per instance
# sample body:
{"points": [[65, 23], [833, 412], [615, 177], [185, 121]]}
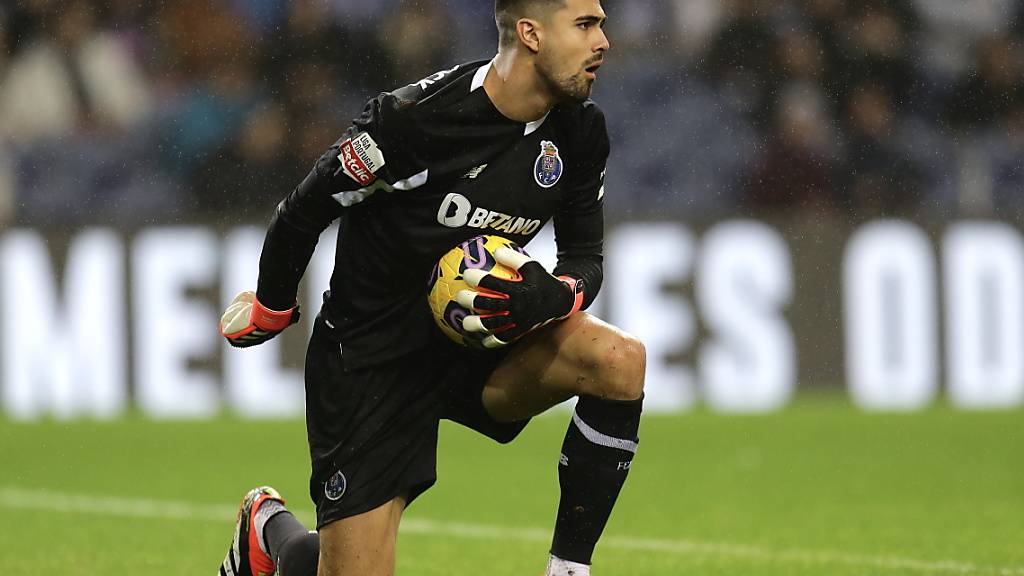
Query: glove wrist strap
{"points": [[266, 319], [576, 287]]}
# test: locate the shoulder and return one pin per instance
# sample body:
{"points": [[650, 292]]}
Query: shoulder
{"points": [[584, 116], [397, 121], [399, 110], [437, 89], [591, 113], [583, 124]]}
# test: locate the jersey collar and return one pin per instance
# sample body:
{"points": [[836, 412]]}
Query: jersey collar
{"points": [[532, 127], [481, 74], [478, 82]]}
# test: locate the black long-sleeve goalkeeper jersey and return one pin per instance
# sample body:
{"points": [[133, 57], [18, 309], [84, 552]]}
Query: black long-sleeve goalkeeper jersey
{"points": [[421, 170]]}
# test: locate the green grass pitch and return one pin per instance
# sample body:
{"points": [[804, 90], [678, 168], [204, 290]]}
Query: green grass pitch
{"points": [[818, 489]]}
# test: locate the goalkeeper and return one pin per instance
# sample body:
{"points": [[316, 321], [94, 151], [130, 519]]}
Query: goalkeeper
{"points": [[499, 147]]}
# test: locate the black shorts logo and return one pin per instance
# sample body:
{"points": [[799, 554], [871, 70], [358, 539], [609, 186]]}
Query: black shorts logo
{"points": [[335, 487]]}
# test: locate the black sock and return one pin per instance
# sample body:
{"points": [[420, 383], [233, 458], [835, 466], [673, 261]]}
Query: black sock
{"points": [[596, 456], [294, 550]]}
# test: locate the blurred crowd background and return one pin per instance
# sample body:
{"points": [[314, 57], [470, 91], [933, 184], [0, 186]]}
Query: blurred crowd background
{"points": [[167, 111]]}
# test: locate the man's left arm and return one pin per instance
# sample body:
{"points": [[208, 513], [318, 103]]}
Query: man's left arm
{"points": [[579, 222]]}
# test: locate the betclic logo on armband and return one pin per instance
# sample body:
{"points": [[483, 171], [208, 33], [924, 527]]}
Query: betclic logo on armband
{"points": [[361, 158]]}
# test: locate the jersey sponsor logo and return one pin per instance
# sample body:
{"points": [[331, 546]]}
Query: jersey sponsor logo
{"points": [[456, 211], [335, 487], [547, 170], [361, 158]]}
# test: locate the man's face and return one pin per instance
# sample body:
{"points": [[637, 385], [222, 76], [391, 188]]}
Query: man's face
{"points": [[572, 49]]}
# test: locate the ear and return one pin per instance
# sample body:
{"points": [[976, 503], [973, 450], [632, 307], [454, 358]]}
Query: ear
{"points": [[529, 33]]}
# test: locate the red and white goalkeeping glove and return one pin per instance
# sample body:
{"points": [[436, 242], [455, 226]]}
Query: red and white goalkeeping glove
{"points": [[246, 322], [508, 309]]}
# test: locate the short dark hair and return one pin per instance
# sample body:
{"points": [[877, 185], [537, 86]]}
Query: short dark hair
{"points": [[508, 12]]}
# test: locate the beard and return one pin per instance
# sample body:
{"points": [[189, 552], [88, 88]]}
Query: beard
{"points": [[566, 88]]}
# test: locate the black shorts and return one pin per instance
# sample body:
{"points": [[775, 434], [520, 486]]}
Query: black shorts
{"points": [[373, 431]]}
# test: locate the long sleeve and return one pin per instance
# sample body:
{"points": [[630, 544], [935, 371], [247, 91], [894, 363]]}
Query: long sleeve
{"points": [[579, 222], [350, 172]]}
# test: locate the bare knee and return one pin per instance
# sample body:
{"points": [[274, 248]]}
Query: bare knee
{"points": [[616, 362]]}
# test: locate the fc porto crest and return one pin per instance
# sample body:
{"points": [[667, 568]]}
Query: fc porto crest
{"points": [[547, 170], [335, 487]]}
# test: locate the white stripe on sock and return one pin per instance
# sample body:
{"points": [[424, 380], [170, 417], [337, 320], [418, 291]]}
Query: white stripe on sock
{"points": [[267, 509], [602, 439]]}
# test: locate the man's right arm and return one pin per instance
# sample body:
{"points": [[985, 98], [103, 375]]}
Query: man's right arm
{"points": [[351, 171], [294, 230]]}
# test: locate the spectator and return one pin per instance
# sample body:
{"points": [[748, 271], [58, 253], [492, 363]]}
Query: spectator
{"points": [[875, 46], [779, 104], [877, 175], [345, 60], [952, 28], [360, 15], [217, 54], [801, 57], [263, 15], [1004, 151], [5, 42], [697, 21], [253, 171], [6, 157], [81, 79], [24, 22], [740, 63], [414, 40], [6, 185], [990, 88], [794, 170]]}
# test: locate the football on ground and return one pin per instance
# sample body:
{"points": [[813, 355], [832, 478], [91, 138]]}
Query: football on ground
{"points": [[447, 281]]}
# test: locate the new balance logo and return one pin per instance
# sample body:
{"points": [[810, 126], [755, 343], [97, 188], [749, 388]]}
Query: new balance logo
{"points": [[473, 173]]}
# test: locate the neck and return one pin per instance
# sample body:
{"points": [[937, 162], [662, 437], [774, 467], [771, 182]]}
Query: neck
{"points": [[515, 88]]}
